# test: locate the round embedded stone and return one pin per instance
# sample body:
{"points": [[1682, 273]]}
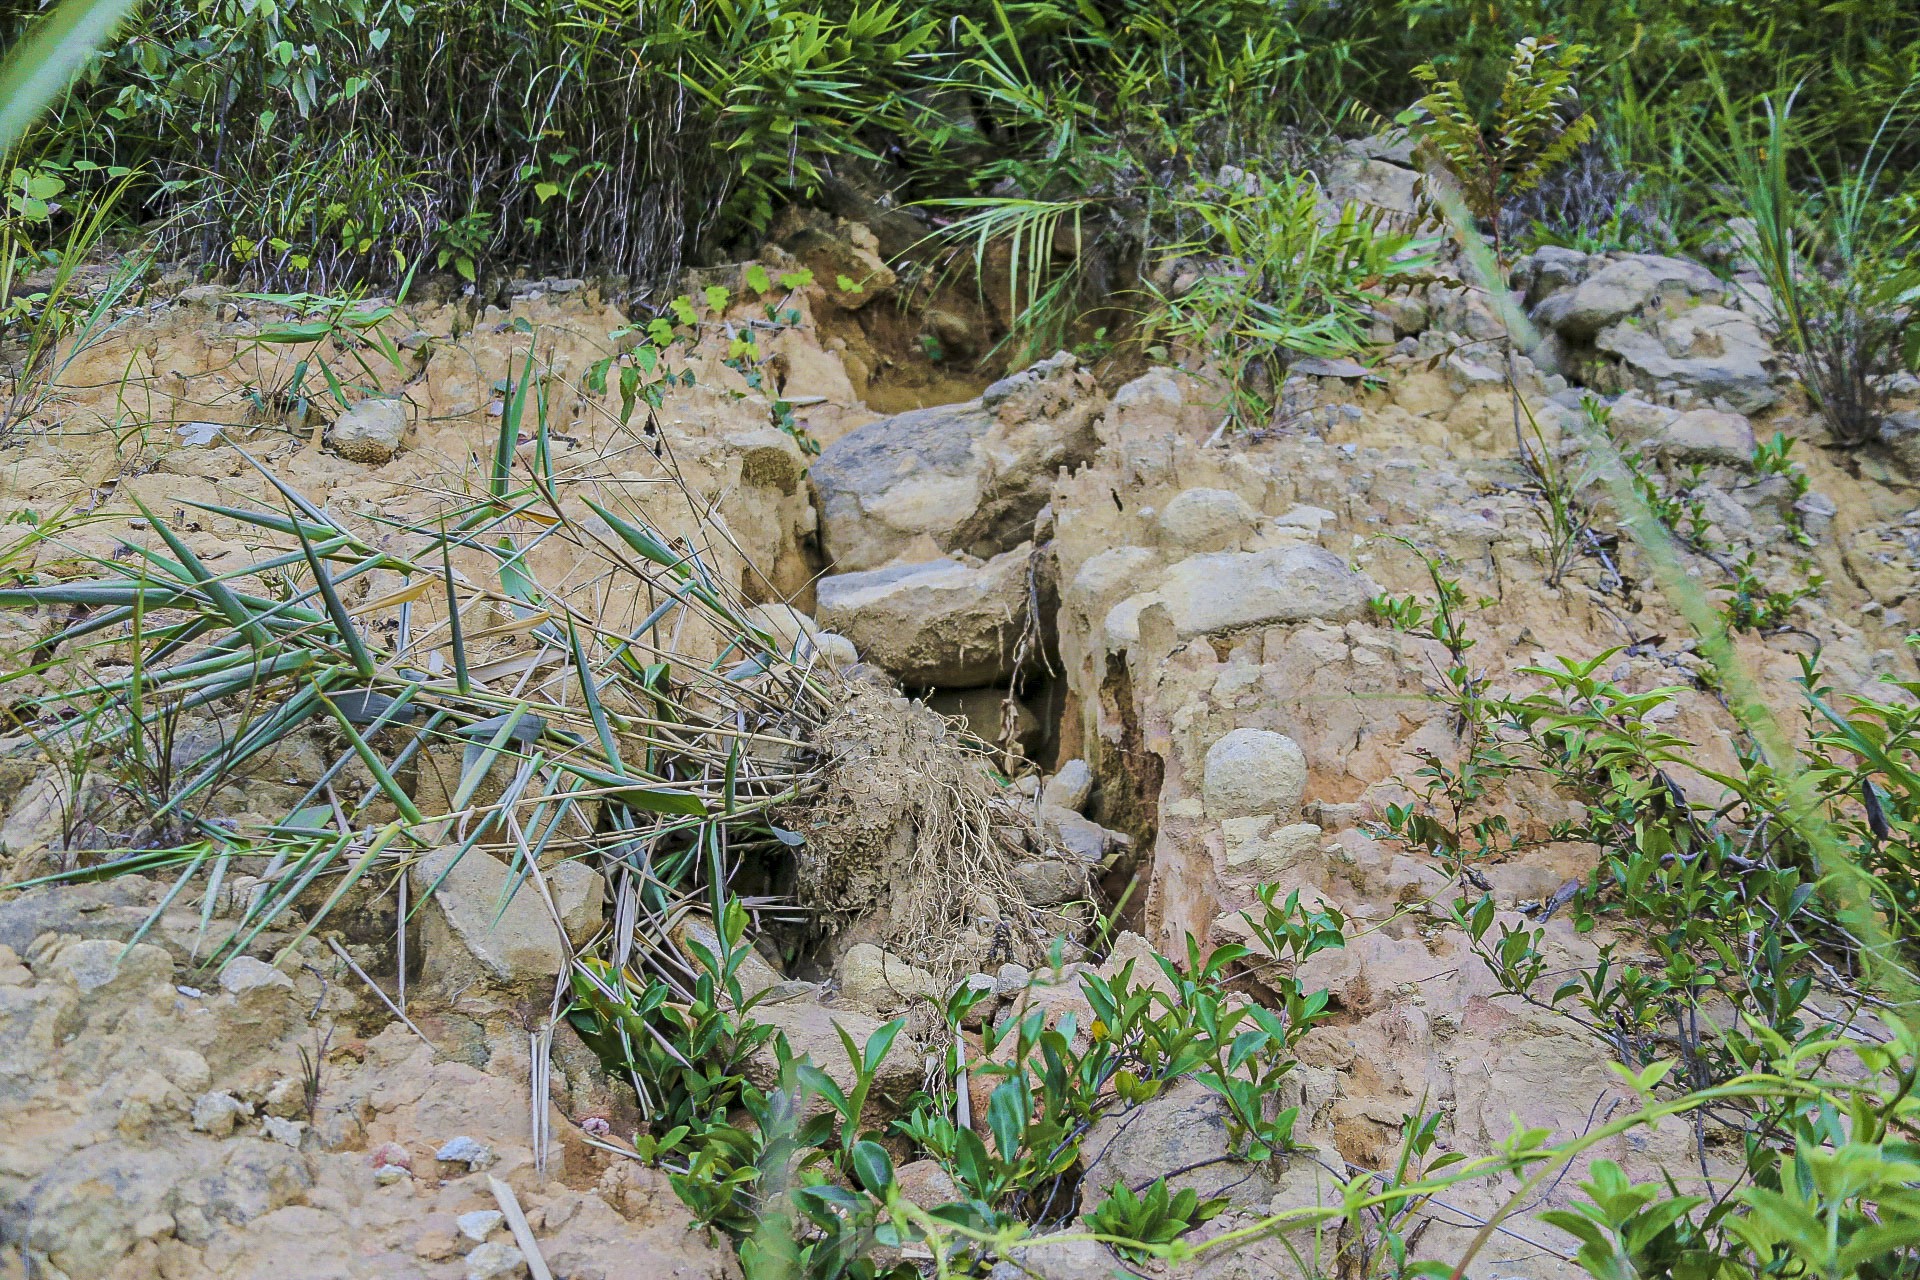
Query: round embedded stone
{"points": [[1207, 519], [1254, 771], [371, 431]]}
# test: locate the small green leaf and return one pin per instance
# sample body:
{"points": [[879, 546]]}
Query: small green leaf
{"points": [[872, 1166]]}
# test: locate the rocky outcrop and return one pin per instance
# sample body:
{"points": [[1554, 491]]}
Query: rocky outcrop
{"points": [[1665, 326], [1716, 353], [965, 478], [1229, 701], [1596, 297]]}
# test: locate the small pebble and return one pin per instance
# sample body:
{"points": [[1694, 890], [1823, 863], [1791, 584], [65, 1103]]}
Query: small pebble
{"points": [[1011, 981], [388, 1174], [390, 1153], [217, 1113], [285, 1131]]}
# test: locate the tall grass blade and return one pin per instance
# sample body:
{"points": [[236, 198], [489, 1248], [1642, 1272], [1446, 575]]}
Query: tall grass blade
{"points": [[40, 68]]}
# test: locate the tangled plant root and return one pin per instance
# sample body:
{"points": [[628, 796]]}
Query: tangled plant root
{"points": [[909, 830]]}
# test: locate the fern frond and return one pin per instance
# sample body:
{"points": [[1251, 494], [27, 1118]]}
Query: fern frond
{"points": [[1536, 125]]}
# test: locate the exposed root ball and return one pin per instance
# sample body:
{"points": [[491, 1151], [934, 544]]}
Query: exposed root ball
{"points": [[911, 832]]}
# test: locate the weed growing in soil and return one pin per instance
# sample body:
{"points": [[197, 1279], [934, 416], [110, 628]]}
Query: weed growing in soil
{"points": [[1732, 978], [798, 1171]]}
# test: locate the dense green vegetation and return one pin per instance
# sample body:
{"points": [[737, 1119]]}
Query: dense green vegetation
{"points": [[315, 143]]}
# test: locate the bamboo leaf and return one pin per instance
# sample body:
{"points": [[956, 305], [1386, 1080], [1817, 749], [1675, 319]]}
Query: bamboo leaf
{"points": [[342, 623], [393, 791], [222, 596], [643, 540]]}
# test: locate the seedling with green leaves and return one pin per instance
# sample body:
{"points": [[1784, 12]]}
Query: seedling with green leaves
{"points": [[1152, 1217]]}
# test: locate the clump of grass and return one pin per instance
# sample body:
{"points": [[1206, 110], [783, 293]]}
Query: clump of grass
{"points": [[1837, 255], [631, 716]]}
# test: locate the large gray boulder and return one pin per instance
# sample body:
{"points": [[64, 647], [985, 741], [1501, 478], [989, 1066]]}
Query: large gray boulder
{"points": [[1712, 351], [1355, 177], [968, 477], [940, 623], [499, 920], [1621, 289], [1231, 590], [1707, 436]]}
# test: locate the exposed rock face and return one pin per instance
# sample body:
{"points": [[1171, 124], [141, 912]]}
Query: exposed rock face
{"points": [[1229, 702], [941, 622], [1180, 713], [966, 478], [372, 431], [1619, 290]]}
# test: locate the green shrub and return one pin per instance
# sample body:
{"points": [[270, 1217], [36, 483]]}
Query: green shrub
{"points": [[1282, 282]]}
